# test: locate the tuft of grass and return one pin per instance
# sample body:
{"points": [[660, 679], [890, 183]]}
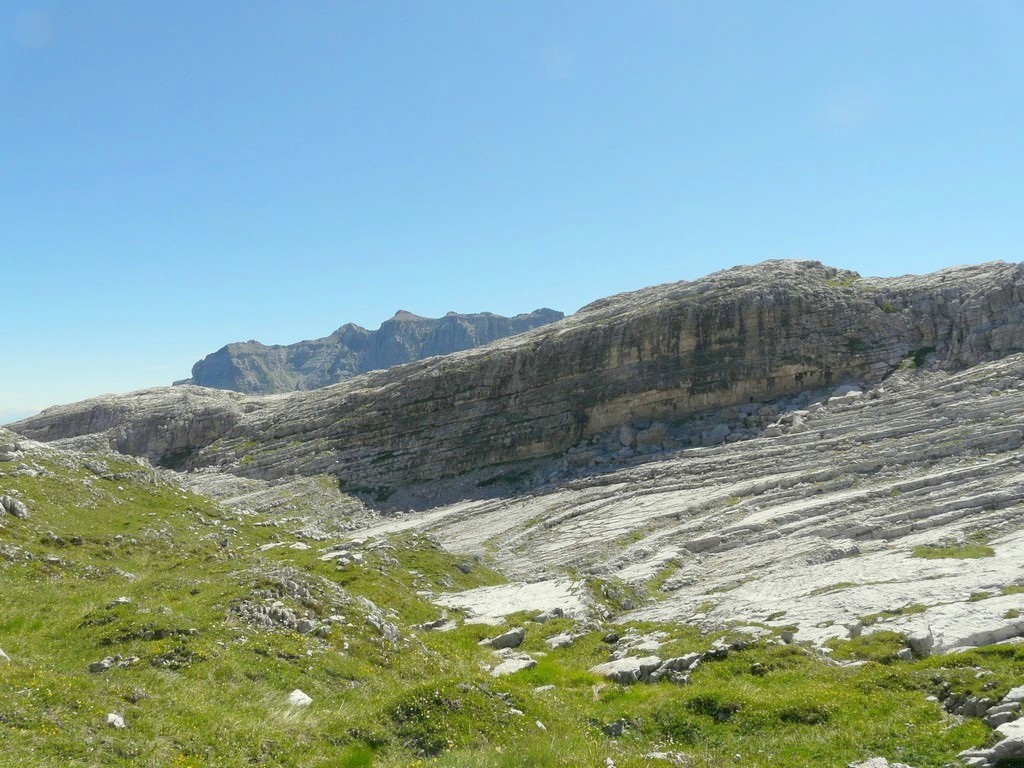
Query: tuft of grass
{"points": [[907, 610], [879, 646], [656, 586], [832, 588], [953, 551]]}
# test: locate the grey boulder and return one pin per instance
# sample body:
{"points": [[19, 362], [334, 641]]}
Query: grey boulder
{"points": [[511, 639], [14, 507]]}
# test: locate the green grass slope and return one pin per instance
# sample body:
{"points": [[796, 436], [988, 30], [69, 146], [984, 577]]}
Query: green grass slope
{"points": [[199, 619]]}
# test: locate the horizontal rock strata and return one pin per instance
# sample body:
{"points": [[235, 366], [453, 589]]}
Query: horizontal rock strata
{"points": [[817, 529], [745, 335]]}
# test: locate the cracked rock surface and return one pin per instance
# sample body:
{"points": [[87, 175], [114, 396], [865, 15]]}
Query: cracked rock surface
{"points": [[816, 529]]}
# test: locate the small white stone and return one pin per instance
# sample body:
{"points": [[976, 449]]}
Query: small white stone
{"points": [[114, 720], [299, 699]]}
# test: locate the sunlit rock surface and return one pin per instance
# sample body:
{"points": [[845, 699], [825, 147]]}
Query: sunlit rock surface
{"points": [[815, 529]]}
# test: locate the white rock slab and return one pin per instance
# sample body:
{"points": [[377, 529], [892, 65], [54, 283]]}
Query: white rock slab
{"points": [[504, 599], [513, 665]]}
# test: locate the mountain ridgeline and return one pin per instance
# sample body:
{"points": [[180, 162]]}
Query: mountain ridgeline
{"points": [[735, 338], [255, 368]]}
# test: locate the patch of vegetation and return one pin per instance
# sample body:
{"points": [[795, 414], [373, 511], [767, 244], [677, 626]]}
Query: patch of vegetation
{"points": [[615, 594], [953, 551], [880, 646], [706, 607], [655, 587], [908, 610]]}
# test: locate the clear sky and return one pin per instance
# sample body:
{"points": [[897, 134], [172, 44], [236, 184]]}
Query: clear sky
{"points": [[178, 175]]}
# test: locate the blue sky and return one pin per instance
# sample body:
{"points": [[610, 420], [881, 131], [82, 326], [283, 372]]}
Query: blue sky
{"points": [[176, 176]]}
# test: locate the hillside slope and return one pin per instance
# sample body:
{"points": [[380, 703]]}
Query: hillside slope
{"points": [[189, 620]]}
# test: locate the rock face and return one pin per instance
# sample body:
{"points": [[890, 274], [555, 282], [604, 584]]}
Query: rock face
{"points": [[255, 368], [742, 336], [867, 518]]}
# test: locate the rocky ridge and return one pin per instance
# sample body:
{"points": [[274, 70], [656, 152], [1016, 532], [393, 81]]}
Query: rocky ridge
{"points": [[735, 338], [256, 368]]}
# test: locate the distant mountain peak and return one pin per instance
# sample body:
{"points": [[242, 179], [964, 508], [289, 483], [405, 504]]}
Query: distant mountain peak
{"points": [[255, 368], [404, 314]]}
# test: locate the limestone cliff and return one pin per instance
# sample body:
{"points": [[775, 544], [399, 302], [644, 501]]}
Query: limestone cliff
{"points": [[748, 334], [255, 368]]}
